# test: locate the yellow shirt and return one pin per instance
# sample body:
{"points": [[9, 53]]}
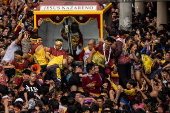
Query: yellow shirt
{"points": [[38, 53], [57, 60], [130, 92]]}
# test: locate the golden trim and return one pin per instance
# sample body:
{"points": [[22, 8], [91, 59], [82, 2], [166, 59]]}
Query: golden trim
{"points": [[101, 25], [49, 20], [35, 20], [90, 19], [107, 7]]}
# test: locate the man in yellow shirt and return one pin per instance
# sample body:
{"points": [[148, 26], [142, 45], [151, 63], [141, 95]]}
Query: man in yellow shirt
{"points": [[56, 65], [130, 92], [37, 50]]}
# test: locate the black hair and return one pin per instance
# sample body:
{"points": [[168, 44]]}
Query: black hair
{"points": [[39, 104], [163, 41], [1, 40], [132, 82], [4, 29], [3, 89], [109, 39], [27, 72], [85, 108], [29, 65], [126, 98], [71, 109], [164, 107], [121, 32], [29, 14], [133, 102], [54, 104], [19, 52], [12, 93], [89, 67], [106, 106], [85, 94], [44, 99], [74, 80], [34, 37], [139, 110], [165, 90], [64, 100], [128, 38], [100, 97], [71, 101], [94, 107], [59, 40], [113, 34], [156, 46], [126, 107], [78, 106], [18, 105], [162, 96]]}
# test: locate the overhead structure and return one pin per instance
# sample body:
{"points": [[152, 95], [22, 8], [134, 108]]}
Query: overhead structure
{"points": [[56, 11]]}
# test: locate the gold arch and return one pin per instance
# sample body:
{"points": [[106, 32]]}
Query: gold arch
{"points": [[49, 20]]}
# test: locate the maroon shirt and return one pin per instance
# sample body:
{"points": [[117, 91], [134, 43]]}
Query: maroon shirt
{"points": [[95, 80]]}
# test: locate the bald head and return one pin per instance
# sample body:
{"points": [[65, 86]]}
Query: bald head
{"points": [[73, 88], [91, 44], [154, 93]]}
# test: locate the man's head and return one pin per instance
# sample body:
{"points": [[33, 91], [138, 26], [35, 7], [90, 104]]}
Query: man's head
{"points": [[154, 35], [11, 95], [167, 56], [100, 101], [30, 15], [5, 31], [40, 40], [70, 59], [5, 18], [131, 84], [113, 46], [73, 88], [64, 100], [91, 43], [129, 41], [161, 27], [163, 108], [58, 95], [134, 104], [90, 68], [58, 44], [13, 23], [108, 42], [29, 3], [34, 39], [26, 74], [96, 68], [33, 76], [154, 93], [1, 43], [124, 100], [18, 55]]}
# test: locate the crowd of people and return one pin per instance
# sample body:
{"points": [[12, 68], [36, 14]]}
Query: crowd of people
{"points": [[39, 79]]}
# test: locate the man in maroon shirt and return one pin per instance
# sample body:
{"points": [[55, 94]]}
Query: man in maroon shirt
{"points": [[92, 83]]}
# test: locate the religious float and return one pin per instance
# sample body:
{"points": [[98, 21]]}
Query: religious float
{"points": [[75, 22]]}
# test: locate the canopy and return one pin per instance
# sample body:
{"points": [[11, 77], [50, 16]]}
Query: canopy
{"points": [[56, 11]]}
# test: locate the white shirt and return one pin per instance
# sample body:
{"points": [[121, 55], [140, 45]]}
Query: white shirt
{"points": [[9, 55], [64, 108], [86, 54]]}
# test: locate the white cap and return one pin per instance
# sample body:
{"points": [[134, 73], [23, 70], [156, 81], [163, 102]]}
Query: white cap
{"points": [[19, 99]]}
